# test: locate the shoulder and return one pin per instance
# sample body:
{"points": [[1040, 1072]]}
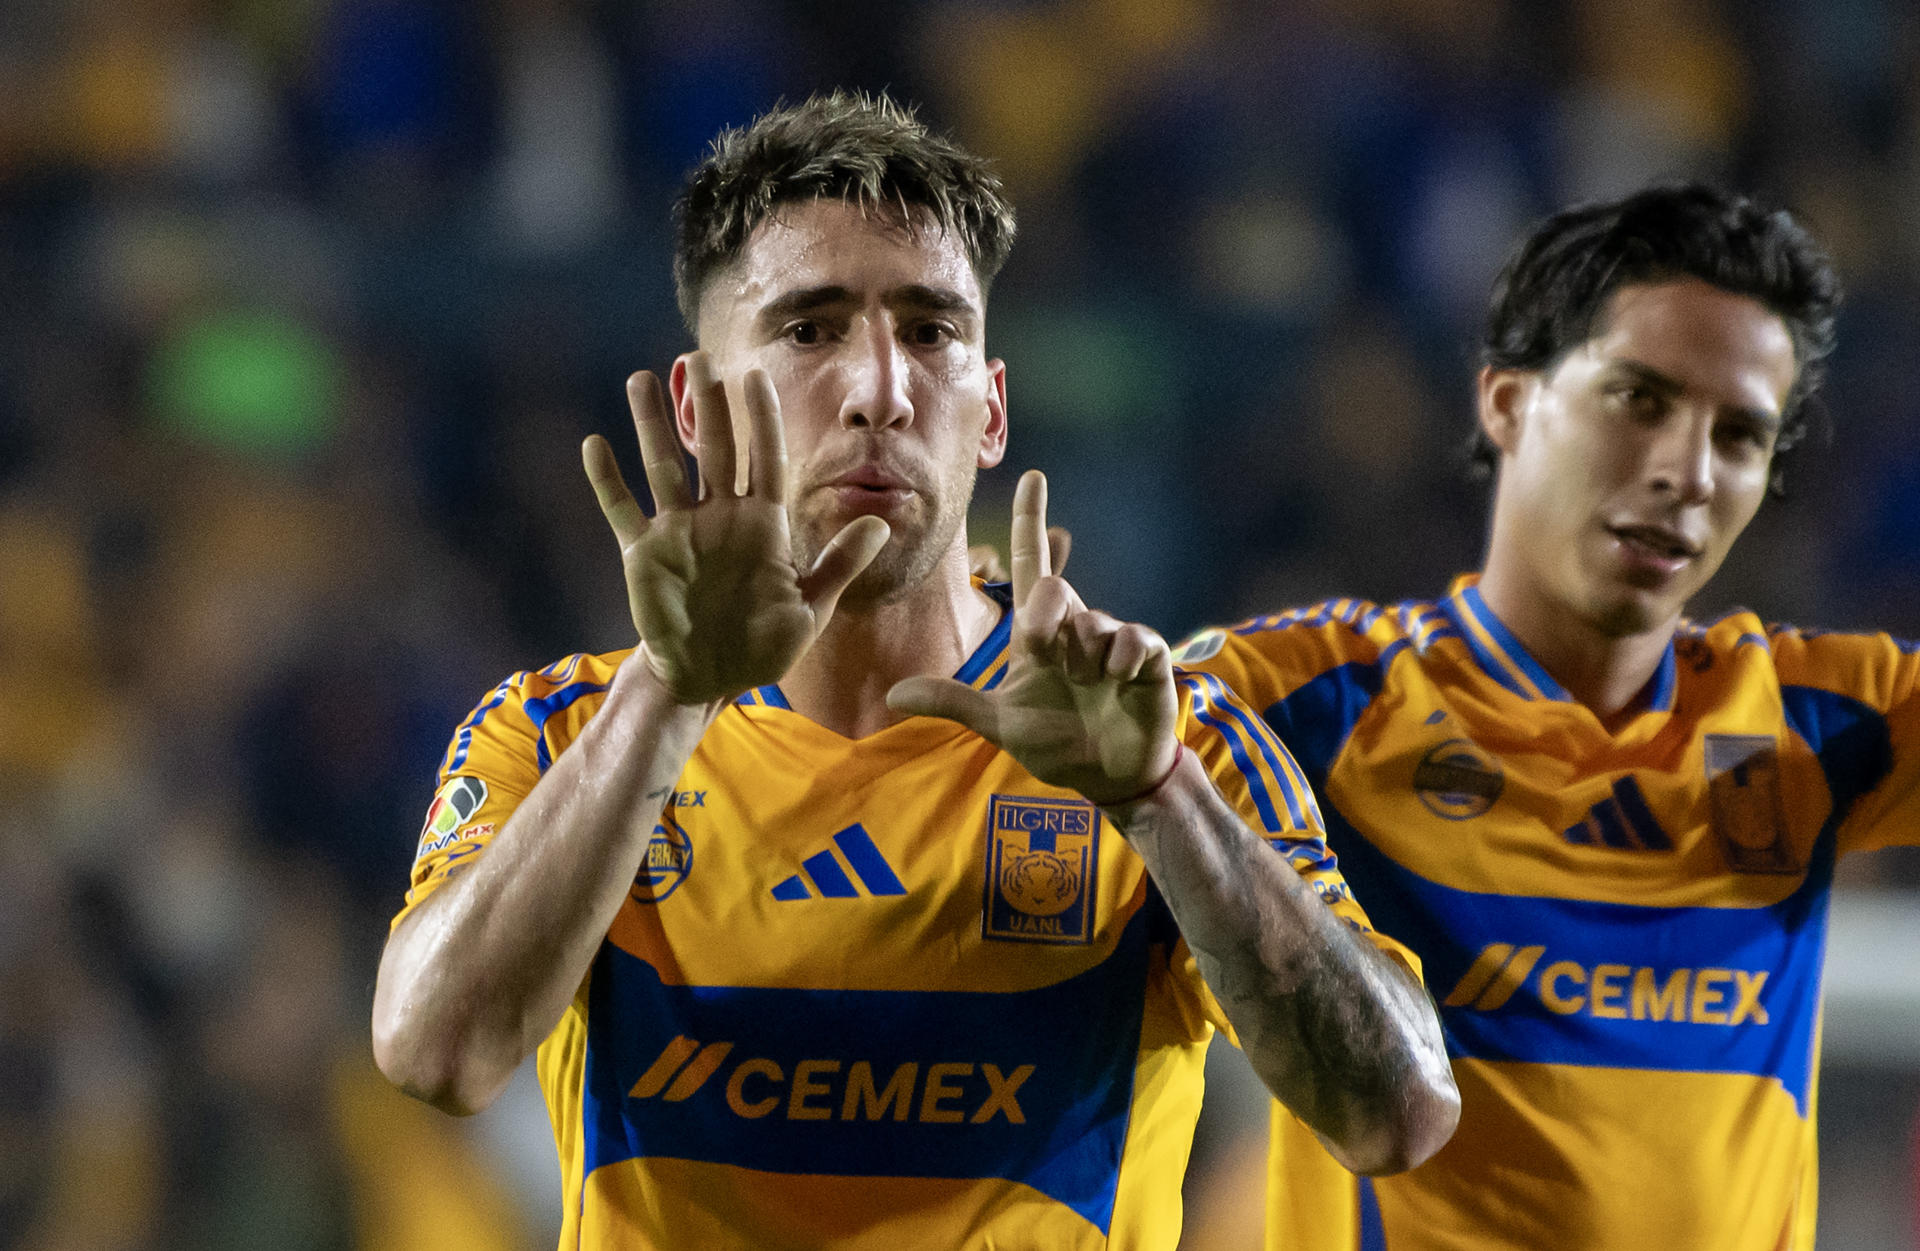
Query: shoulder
{"points": [[521, 707], [1859, 663], [1267, 657]]}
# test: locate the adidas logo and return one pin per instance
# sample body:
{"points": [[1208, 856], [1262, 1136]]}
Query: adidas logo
{"points": [[834, 877], [1621, 821]]}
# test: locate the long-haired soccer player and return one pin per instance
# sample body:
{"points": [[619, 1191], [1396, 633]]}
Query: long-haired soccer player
{"points": [[1609, 830]]}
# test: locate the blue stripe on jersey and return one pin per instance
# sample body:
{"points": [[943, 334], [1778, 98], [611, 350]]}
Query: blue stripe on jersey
{"points": [[995, 678], [773, 697], [1513, 653], [827, 876], [1373, 1231], [1293, 786], [1665, 678], [1850, 738], [995, 644], [1489, 663], [746, 699], [463, 737], [1237, 748], [1061, 1057], [868, 864], [539, 711]]}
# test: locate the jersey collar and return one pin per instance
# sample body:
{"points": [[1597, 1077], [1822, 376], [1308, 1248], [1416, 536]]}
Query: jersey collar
{"points": [[982, 670], [1510, 664]]}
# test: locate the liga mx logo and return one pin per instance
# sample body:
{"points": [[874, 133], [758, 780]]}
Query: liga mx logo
{"points": [[669, 860], [1043, 856]]}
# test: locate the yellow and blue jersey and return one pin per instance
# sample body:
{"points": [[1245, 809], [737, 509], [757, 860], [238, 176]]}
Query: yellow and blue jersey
{"points": [[1625, 930], [877, 993]]}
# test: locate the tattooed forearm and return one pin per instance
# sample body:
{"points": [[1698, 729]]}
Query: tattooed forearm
{"points": [[1339, 1031]]}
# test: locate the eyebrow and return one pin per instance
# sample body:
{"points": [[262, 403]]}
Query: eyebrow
{"points": [[803, 300], [1666, 384]]}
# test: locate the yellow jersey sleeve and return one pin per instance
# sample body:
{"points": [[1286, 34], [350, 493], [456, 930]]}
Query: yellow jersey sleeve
{"points": [[496, 757], [1259, 779], [1856, 697]]}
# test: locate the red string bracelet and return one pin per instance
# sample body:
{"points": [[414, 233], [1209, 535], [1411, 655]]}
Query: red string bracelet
{"points": [[1179, 753]]}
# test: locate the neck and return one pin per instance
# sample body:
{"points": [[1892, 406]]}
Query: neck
{"points": [[1606, 672], [842, 681]]}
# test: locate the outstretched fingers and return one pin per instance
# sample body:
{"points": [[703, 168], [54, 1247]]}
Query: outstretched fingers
{"points": [[712, 427], [616, 502], [659, 449], [766, 441]]}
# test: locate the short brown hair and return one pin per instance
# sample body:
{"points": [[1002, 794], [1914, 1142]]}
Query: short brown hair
{"points": [[869, 150]]}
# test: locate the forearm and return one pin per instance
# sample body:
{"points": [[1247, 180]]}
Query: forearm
{"points": [[479, 973], [1340, 1032]]}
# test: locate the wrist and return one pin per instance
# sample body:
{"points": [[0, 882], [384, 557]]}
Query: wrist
{"points": [[1116, 808], [639, 681]]}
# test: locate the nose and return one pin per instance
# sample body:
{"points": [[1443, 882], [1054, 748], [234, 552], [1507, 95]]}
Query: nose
{"points": [[876, 365], [1682, 463]]}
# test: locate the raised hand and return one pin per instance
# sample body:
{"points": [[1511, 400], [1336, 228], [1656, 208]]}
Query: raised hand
{"points": [[1088, 702], [718, 602]]}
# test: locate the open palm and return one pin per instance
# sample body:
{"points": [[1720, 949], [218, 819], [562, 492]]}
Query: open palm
{"points": [[714, 592]]}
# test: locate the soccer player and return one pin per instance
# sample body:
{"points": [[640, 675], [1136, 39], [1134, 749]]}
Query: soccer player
{"points": [[817, 944], [1608, 830]]}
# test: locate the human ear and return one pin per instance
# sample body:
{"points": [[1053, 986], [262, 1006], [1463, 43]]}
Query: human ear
{"points": [[682, 396], [1504, 396], [993, 439]]}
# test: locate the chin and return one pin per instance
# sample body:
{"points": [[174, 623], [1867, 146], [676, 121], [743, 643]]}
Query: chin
{"points": [[1621, 615], [895, 572]]}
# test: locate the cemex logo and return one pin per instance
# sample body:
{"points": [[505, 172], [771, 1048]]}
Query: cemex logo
{"points": [[1694, 996], [837, 1089]]}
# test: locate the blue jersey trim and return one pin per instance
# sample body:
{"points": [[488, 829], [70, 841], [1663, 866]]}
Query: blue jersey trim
{"points": [[995, 644], [463, 738], [1293, 785], [540, 711], [1237, 748], [1373, 1230]]}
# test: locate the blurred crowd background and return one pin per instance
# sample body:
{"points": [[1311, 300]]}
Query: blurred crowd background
{"points": [[305, 306]]}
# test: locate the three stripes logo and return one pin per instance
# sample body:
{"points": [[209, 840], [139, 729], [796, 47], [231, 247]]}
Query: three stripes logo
{"points": [[1621, 821], [859, 864]]}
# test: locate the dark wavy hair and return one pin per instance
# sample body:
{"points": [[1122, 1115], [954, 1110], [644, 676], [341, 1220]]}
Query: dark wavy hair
{"points": [[1556, 283], [866, 149]]}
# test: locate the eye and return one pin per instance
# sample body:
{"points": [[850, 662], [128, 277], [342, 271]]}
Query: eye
{"points": [[805, 333], [1743, 435], [1637, 401], [931, 334]]}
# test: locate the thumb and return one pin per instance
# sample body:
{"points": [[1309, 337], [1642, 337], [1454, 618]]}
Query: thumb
{"points": [[946, 698], [841, 561]]}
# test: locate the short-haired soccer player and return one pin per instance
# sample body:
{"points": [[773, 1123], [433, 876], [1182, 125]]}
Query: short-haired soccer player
{"points": [[864, 904], [1608, 830]]}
